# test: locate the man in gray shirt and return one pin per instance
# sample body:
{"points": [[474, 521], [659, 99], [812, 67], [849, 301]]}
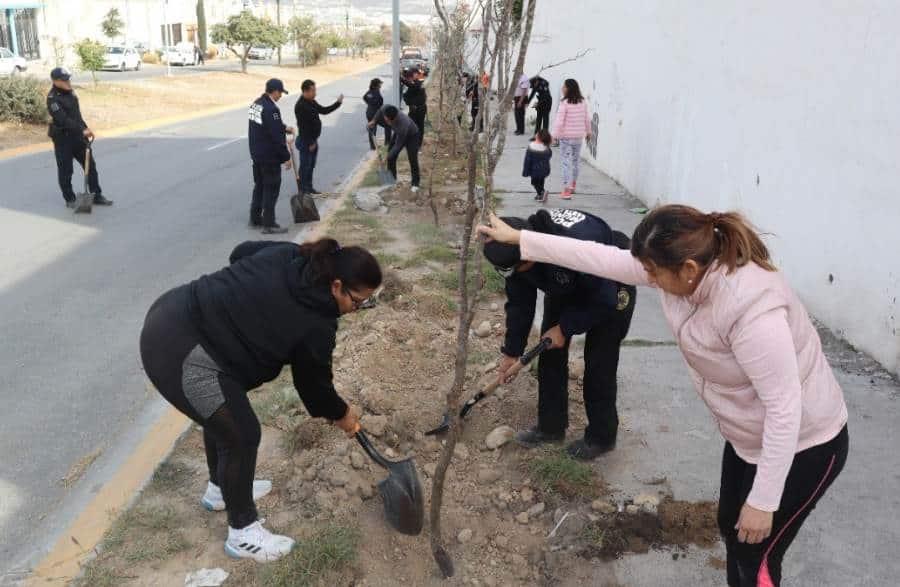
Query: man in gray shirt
{"points": [[405, 136]]}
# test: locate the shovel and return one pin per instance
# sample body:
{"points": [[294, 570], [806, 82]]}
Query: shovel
{"points": [[401, 491], [85, 199], [492, 386], [384, 176], [303, 206]]}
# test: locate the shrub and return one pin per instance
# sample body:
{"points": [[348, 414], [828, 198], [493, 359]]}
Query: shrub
{"points": [[150, 57], [212, 52], [91, 56], [23, 99]]}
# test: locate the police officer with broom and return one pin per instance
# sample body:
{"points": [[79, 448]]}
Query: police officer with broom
{"points": [[268, 149]]}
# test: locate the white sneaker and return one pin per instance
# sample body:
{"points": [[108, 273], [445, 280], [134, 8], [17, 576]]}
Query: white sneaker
{"points": [[414, 189], [214, 502], [257, 543]]}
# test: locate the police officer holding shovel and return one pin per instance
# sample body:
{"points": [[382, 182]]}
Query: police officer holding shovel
{"points": [[574, 303], [70, 135], [268, 149]]}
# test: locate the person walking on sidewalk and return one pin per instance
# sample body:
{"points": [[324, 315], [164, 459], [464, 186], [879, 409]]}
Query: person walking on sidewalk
{"points": [[474, 94], [571, 128], [755, 357], [374, 101], [520, 97], [70, 135], [206, 344], [574, 303], [268, 150], [541, 88], [415, 98], [537, 163], [309, 129], [405, 136]]}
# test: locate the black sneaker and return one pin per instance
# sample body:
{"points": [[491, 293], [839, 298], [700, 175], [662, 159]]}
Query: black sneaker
{"points": [[587, 451], [539, 197], [274, 229], [71, 204], [533, 437], [255, 223], [99, 200]]}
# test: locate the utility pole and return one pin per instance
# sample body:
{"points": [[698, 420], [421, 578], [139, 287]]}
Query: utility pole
{"points": [[167, 38], [395, 53], [278, 20]]}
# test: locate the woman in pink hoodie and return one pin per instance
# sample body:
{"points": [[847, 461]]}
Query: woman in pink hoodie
{"points": [[572, 126], [754, 356]]}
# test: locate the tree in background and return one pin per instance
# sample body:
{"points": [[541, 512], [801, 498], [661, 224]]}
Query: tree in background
{"points": [[91, 55], [112, 24], [405, 33], [201, 25], [243, 31], [303, 32]]}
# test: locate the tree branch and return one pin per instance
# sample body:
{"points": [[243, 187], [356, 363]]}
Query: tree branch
{"points": [[577, 56]]}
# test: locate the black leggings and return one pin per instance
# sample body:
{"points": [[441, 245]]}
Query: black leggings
{"points": [[231, 433], [538, 183], [811, 474]]}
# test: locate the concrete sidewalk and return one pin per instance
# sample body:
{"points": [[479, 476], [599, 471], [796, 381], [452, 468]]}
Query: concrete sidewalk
{"points": [[666, 431]]}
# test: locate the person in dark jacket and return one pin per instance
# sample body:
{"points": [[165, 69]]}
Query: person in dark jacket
{"points": [[541, 88], [574, 303], [70, 135], [309, 129], [374, 101], [415, 98], [206, 344], [537, 163], [405, 136], [473, 94], [268, 150]]}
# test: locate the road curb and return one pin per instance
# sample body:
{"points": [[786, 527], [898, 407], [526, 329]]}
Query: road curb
{"points": [[78, 543]]}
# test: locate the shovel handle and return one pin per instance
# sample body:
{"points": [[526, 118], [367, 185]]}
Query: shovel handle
{"points": [[370, 449], [493, 385]]}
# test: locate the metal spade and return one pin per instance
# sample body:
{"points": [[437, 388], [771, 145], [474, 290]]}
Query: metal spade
{"points": [[401, 492]]}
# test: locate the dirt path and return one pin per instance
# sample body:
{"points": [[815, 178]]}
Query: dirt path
{"points": [[112, 105]]}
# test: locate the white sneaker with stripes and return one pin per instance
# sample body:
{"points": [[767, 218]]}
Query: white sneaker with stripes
{"points": [[214, 502], [257, 543]]}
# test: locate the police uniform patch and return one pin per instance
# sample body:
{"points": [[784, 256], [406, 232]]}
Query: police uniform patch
{"points": [[255, 113], [54, 107], [624, 298]]}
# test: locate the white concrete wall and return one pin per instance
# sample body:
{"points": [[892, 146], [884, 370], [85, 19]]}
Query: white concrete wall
{"points": [[787, 111]]}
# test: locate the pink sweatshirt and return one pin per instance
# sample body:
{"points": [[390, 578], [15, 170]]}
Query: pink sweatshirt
{"points": [[572, 121], [752, 351]]}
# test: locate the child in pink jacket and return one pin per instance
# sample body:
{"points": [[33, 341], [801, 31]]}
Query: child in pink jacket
{"points": [[755, 358], [572, 126]]}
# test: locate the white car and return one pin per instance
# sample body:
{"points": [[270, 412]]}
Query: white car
{"points": [[260, 53], [180, 55], [10, 64], [122, 58]]}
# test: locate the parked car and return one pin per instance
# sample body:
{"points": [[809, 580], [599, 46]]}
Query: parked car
{"points": [[180, 55], [260, 53], [121, 58], [332, 51], [10, 64]]}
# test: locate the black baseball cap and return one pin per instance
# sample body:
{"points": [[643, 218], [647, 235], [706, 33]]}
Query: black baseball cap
{"points": [[274, 85], [60, 74], [502, 255]]}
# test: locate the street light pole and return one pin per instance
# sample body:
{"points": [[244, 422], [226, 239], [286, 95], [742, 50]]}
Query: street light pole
{"points": [[395, 52], [278, 19], [167, 38]]}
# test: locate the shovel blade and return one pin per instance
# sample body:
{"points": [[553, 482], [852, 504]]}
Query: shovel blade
{"points": [[83, 203], [401, 492], [304, 209], [442, 427]]}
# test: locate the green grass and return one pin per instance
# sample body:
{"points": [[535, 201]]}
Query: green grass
{"points": [[594, 534], [147, 533], [98, 575], [331, 548], [435, 253], [272, 403], [357, 227], [169, 477], [558, 473], [371, 179], [425, 233], [387, 259]]}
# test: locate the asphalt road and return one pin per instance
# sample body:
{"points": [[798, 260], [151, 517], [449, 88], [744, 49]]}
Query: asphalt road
{"points": [[74, 291]]}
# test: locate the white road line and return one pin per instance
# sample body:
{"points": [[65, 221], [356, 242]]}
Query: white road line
{"points": [[228, 142]]}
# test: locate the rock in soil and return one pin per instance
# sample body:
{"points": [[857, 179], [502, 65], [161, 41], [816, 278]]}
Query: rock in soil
{"points": [[604, 507], [357, 461], [461, 451], [484, 329], [526, 494], [368, 199], [310, 474], [499, 436], [374, 425], [522, 518], [536, 510], [488, 475], [495, 306], [632, 509], [464, 535], [338, 476]]}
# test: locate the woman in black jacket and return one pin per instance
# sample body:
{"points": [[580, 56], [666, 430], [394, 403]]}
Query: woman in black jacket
{"points": [[205, 344], [374, 101]]}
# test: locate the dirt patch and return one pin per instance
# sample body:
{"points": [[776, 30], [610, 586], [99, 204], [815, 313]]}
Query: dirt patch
{"points": [[677, 523]]}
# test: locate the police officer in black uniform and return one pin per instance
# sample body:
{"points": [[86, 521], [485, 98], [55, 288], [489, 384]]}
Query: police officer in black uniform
{"points": [[268, 149], [415, 98], [70, 135], [574, 303]]}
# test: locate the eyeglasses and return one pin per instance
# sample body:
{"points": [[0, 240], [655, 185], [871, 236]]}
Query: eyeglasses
{"points": [[365, 303]]}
